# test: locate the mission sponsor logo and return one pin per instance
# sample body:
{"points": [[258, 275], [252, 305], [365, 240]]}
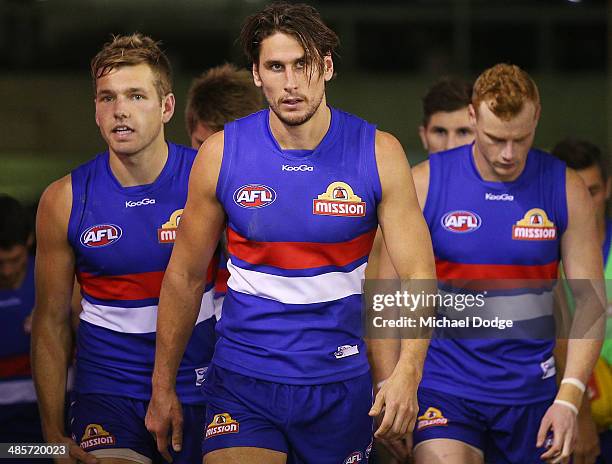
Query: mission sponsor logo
{"points": [[101, 235], [355, 456], [167, 232], [535, 225], [254, 196], [339, 200], [95, 435], [433, 417], [221, 425], [461, 222]]}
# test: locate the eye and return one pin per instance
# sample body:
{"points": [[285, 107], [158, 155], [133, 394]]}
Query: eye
{"points": [[465, 132], [276, 67], [439, 131], [137, 96], [106, 98], [300, 64]]}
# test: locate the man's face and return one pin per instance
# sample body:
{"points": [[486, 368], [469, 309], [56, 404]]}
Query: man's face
{"points": [[599, 190], [13, 266], [446, 130], [501, 146], [292, 93], [129, 111], [200, 133]]}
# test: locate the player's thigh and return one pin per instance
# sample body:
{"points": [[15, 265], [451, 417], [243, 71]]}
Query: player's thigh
{"points": [[245, 455], [445, 451]]}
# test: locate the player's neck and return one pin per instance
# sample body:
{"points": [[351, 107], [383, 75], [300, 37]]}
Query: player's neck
{"points": [[140, 168], [306, 136], [487, 172]]}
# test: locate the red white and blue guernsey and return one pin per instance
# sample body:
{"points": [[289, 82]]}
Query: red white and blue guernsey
{"points": [[494, 230], [122, 239], [300, 228]]}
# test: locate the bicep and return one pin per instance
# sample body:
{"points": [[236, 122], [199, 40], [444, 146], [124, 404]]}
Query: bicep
{"points": [[404, 229], [580, 249], [54, 256], [203, 217]]}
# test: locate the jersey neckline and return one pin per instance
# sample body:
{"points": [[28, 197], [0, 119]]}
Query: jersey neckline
{"points": [[303, 155], [496, 185], [135, 190]]}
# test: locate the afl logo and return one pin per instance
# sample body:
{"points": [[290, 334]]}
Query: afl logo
{"points": [[254, 196], [101, 235], [461, 222]]}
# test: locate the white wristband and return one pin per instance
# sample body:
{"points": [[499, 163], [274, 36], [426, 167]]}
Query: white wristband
{"points": [[567, 404], [575, 382]]}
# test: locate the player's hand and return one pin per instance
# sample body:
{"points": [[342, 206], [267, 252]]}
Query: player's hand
{"points": [[562, 422], [77, 454], [165, 417], [397, 399], [587, 440]]}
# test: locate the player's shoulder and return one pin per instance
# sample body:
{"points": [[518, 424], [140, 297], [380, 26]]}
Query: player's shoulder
{"points": [[387, 145], [56, 201]]}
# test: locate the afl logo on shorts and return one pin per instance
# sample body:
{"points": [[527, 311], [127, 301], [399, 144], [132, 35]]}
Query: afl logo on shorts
{"points": [[461, 222], [356, 456], [101, 235], [254, 196]]}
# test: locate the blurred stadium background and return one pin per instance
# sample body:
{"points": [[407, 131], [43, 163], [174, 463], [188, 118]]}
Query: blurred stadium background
{"points": [[391, 51]]}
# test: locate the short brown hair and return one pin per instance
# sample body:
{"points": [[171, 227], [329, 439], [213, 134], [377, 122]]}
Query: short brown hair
{"points": [[221, 95], [131, 50], [446, 94], [301, 21], [505, 88]]}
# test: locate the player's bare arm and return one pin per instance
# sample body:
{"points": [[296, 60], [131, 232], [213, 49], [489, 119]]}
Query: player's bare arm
{"points": [[201, 224], [51, 325], [582, 259], [408, 242]]}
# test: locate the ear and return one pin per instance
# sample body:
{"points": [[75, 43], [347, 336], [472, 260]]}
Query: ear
{"points": [[256, 77], [96, 113], [472, 115], [328, 68], [168, 105], [422, 131]]}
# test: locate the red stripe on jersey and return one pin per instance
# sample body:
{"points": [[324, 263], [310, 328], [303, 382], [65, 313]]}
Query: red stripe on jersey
{"points": [[140, 286], [221, 280], [299, 255], [15, 366], [450, 270], [481, 277]]}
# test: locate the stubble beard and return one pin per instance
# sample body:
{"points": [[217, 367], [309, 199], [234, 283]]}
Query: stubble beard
{"points": [[297, 119]]}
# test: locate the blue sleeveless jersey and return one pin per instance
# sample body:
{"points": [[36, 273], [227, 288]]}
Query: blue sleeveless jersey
{"points": [[16, 384], [122, 239], [300, 227], [494, 230]]}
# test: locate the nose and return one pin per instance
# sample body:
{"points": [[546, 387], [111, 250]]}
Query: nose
{"points": [[290, 79], [508, 151], [120, 108]]}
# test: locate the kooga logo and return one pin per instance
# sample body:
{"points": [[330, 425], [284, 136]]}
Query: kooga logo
{"points": [[301, 167], [143, 202], [500, 197]]}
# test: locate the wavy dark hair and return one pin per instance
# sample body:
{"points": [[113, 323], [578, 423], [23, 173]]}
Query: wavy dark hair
{"points": [[301, 21]]}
